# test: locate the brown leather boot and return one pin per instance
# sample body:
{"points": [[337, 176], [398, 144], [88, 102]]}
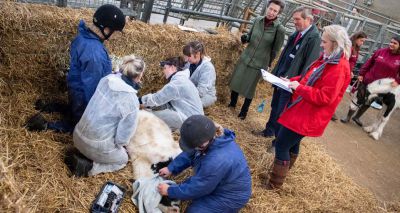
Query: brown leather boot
{"points": [[278, 174], [293, 158]]}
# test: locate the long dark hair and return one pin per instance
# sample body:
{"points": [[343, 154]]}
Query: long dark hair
{"points": [[356, 36]]}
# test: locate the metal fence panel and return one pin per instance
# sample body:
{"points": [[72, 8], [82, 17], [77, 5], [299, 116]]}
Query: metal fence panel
{"points": [[76, 3], [91, 3], [379, 34]]}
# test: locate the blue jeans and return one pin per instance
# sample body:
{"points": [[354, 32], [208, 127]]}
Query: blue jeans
{"points": [[287, 142], [280, 98]]}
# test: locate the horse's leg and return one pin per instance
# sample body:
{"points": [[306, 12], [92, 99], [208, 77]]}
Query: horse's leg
{"points": [[389, 102], [374, 126], [378, 132]]}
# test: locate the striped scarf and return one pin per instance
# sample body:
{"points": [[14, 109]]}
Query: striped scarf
{"points": [[317, 74]]}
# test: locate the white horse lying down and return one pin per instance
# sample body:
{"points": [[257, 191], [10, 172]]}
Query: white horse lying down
{"points": [[391, 100], [152, 146]]}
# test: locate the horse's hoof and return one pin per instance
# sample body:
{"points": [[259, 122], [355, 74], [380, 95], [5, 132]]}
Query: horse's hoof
{"points": [[368, 129], [374, 135]]}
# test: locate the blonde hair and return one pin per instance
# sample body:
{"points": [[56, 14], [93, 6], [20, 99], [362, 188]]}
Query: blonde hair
{"points": [[339, 36], [132, 66]]}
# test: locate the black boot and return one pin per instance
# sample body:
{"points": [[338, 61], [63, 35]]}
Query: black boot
{"points": [[242, 115], [36, 123], [350, 113], [260, 133], [359, 113], [78, 164], [245, 108], [234, 99]]}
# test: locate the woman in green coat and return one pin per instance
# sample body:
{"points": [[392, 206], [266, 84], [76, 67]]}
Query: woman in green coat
{"points": [[265, 41]]}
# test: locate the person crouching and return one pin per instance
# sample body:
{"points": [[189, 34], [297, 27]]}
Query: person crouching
{"points": [[222, 181], [109, 121], [178, 99]]}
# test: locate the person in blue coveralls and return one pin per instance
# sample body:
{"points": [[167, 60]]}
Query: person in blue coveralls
{"points": [[88, 64], [221, 180]]}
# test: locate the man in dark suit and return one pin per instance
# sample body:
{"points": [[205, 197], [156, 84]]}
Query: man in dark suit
{"points": [[301, 50]]}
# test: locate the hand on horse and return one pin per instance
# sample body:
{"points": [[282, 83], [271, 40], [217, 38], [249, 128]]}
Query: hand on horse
{"points": [[164, 172]]}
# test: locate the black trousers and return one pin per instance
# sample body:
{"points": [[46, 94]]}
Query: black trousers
{"points": [[246, 103]]}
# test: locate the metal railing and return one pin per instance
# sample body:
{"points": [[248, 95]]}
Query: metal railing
{"points": [[379, 34], [74, 3], [206, 9], [127, 6], [231, 12], [370, 13]]}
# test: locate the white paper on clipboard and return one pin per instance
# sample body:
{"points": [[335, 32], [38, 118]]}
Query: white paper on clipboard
{"points": [[275, 80]]}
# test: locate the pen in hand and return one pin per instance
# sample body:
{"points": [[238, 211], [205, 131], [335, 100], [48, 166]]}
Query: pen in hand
{"points": [[285, 78]]}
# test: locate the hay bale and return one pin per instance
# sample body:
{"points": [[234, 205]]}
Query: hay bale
{"points": [[34, 42], [40, 35]]}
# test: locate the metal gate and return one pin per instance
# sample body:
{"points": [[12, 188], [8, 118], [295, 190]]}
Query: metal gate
{"points": [[232, 13]]}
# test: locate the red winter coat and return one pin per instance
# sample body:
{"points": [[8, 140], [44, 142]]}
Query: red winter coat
{"points": [[311, 115]]}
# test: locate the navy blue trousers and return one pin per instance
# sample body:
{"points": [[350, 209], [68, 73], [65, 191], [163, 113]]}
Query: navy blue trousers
{"points": [[63, 126], [69, 119], [287, 142], [280, 98]]}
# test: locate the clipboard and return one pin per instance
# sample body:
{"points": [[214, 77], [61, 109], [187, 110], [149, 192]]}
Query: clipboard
{"points": [[276, 80]]}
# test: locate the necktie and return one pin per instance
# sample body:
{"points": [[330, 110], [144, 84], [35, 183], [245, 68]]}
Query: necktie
{"points": [[297, 38]]}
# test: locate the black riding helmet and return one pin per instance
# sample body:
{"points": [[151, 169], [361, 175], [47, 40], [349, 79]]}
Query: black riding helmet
{"points": [[109, 16], [196, 130]]}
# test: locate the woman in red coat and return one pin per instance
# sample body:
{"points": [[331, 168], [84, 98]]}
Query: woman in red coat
{"points": [[315, 98]]}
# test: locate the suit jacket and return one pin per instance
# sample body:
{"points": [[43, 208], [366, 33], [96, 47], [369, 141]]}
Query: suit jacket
{"points": [[308, 51]]}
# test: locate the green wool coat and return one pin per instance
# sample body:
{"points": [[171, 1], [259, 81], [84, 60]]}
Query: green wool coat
{"points": [[263, 47]]}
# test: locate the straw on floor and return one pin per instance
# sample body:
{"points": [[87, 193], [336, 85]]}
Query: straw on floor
{"points": [[34, 45]]}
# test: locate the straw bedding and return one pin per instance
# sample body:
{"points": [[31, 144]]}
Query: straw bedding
{"points": [[34, 42]]}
